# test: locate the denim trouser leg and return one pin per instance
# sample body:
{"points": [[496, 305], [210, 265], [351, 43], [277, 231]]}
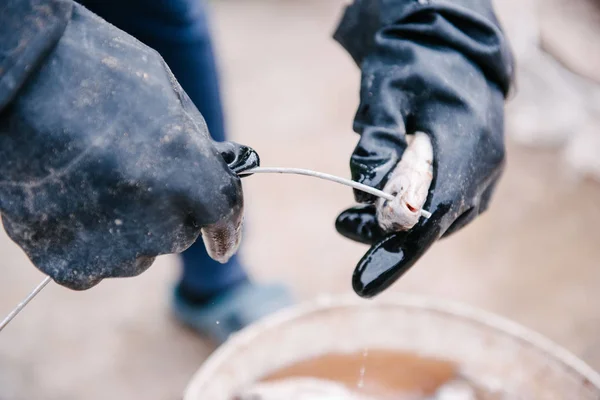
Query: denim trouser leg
{"points": [[179, 31]]}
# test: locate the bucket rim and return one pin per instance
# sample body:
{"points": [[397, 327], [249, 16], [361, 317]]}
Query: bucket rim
{"points": [[451, 308]]}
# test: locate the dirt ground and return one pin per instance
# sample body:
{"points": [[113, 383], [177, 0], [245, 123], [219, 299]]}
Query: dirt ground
{"points": [[291, 93]]}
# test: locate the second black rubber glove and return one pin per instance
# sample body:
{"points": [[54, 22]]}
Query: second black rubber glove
{"points": [[438, 67]]}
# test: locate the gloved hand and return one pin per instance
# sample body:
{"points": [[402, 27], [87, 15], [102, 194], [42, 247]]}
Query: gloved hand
{"points": [[439, 67], [105, 163]]}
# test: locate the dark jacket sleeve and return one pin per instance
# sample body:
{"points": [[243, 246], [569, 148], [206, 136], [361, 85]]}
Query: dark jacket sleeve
{"points": [[29, 29], [469, 27]]}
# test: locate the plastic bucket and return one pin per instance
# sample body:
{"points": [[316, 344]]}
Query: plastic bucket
{"points": [[493, 352]]}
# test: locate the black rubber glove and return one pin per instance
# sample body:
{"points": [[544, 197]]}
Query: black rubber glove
{"points": [[439, 67], [105, 163]]}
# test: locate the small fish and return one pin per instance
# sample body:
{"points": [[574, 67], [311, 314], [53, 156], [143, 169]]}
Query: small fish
{"points": [[456, 390], [222, 239], [409, 183], [299, 389]]}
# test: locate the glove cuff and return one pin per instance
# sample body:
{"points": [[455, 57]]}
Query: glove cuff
{"points": [[467, 26], [29, 30]]}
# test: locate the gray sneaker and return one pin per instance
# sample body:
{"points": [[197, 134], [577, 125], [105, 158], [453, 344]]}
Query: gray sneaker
{"points": [[232, 310]]}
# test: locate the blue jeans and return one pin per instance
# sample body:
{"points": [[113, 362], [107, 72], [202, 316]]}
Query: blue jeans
{"points": [[178, 30]]}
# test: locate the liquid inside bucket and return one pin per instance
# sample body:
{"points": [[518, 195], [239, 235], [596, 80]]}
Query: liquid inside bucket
{"points": [[376, 374]]}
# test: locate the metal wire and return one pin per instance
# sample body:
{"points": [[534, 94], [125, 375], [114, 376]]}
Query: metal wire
{"points": [[257, 170], [23, 303], [328, 177]]}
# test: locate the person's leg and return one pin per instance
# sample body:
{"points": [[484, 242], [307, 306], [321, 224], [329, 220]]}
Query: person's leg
{"points": [[179, 31]]}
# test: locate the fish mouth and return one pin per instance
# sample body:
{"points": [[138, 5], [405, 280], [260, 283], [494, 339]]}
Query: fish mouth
{"points": [[410, 208]]}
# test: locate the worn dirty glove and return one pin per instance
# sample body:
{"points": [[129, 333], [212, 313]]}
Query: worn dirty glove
{"points": [[105, 163], [439, 67]]}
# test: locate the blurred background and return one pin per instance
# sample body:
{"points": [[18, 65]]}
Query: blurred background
{"points": [[291, 92]]}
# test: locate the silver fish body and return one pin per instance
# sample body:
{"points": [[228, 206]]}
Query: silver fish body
{"points": [[409, 182]]}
